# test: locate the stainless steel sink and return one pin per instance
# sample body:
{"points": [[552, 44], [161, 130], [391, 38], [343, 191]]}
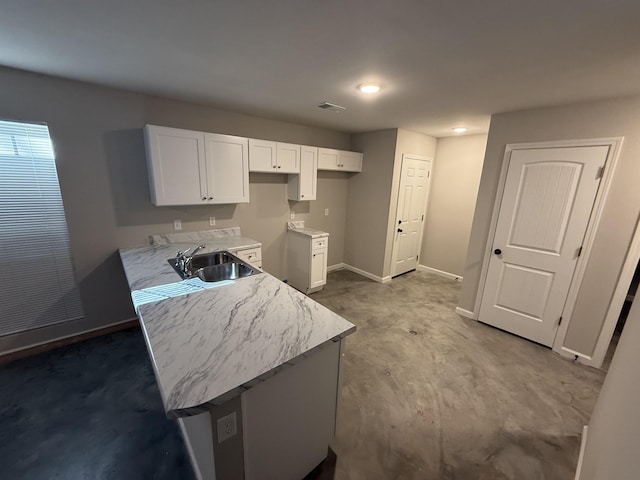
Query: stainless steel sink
{"points": [[215, 267], [226, 271]]}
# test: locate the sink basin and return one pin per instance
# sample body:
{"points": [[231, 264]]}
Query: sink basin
{"points": [[215, 267], [226, 271]]}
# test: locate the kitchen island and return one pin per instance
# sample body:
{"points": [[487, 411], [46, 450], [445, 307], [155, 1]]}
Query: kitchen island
{"points": [[250, 367]]}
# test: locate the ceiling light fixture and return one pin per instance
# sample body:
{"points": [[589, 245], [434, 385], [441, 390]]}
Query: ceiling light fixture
{"points": [[460, 129], [369, 87]]}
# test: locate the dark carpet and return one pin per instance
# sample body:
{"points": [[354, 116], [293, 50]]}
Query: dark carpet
{"points": [[88, 411]]}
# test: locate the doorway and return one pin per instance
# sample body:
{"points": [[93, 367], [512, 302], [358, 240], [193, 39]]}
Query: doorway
{"points": [[542, 220], [413, 195]]}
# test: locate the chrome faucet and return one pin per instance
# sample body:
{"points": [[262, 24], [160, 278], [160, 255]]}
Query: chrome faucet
{"points": [[183, 259]]}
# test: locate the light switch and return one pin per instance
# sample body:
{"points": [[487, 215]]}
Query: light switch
{"points": [[177, 224], [293, 215]]}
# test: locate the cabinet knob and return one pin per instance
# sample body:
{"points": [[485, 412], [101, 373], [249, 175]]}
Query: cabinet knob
{"points": [[279, 166], [301, 196], [204, 198], [210, 198], [314, 254], [274, 166]]}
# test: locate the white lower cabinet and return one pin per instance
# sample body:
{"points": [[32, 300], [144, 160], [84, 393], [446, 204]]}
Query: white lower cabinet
{"points": [[252, 256], [307, 261]]}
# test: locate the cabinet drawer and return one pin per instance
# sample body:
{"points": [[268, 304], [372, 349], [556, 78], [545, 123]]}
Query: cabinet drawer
{"points": [[319, 243], [250, 255]]}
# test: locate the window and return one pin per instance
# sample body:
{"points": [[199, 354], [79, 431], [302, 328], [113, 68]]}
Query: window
{"points": [[37, 284]]}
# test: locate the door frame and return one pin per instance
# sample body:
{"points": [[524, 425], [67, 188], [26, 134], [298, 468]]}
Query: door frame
{"points": [[614, 144], [410, 156]]}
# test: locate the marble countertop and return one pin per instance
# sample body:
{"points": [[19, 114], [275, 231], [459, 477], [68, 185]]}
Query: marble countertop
{"points": [[298, 227], [147, 266], [210, 345]]}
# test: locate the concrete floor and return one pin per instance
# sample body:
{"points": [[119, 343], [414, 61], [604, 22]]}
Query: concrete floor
{"points": [[430, 395]]}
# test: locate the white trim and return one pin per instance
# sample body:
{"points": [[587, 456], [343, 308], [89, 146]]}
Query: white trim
{"points": [[337, 266], [615, 144], [394, 246], [364, 273], [465, 313], [583, 446], [452, 276], [56, 339], [616, 303]]}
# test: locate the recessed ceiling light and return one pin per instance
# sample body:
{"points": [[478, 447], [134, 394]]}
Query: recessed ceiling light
{"points": [[460, 129], [369, 87]]}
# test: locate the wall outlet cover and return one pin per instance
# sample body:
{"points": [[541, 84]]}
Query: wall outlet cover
{"points": [[293, 215], [177, 224], [227, 427], [212, 221], [326, 212]]}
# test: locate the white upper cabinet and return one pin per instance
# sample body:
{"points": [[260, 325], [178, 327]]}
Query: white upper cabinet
{"points": [[303, 187], [227, 159], [273, 157], [194, 168], [341, 160], [288, 158]]}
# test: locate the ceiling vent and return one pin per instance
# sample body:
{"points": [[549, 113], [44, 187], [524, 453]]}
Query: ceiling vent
{"points": [[331, 106]]}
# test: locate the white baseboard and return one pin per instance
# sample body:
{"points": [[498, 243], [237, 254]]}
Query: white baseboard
{"points": [[453, 276], [465, 313], [583, 445], [364, 273], [56, 339]]}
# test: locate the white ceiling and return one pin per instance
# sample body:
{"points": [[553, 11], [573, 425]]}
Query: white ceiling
{"points": [[442, 63]]}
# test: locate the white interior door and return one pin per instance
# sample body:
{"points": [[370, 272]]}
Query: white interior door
{"points": [[412, 205], [544, 213]]}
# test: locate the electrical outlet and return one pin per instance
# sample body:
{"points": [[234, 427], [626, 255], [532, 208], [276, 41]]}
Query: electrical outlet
{"points": [[177, 224], [326, 212], [212, 221], [293, 215], [227, 427]]}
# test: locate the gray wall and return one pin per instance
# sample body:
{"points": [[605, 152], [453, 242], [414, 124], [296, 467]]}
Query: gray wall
{"points": [[410, 143], [609, 118], [614, 429], [454, 187], [373, 196], [368, 201], [101, 165]]}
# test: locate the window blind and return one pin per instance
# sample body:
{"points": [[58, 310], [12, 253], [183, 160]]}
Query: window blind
{"points": [[37, 284]]}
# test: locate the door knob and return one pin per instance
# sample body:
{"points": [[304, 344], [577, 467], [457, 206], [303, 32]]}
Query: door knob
{"points": [[497, 251], [400, 230]]}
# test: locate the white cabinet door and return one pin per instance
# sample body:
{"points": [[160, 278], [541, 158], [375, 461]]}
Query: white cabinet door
{"points": [[318, 268], [303, 187], [350, 161], [176, 166], [227, 161], [262, 156], [327, 159], [341, 160], [288, 158]]}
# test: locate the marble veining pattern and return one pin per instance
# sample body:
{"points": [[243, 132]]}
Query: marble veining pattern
{"points": [[188, 237], [298, 227], [147, 266], [212, 345]]}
